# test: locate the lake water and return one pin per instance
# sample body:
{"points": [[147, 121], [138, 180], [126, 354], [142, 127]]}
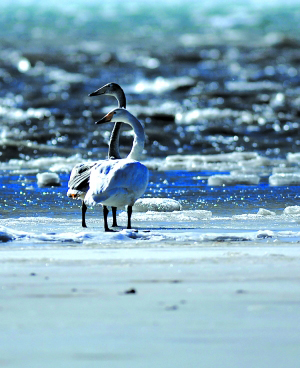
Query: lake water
{"points": [[204, 79]]}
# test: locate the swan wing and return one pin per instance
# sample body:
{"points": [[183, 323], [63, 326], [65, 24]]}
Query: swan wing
{"points": [[117, 182], [80, 174]]}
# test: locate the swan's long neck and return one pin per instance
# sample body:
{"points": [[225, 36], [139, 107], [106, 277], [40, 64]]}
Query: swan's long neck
{"points": [[139, 138], [113, 148], [120, 96]]}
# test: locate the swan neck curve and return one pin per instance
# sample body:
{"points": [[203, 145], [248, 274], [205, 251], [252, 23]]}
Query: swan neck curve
{"points": [[114, 142], [120, 96], [139, 138]]}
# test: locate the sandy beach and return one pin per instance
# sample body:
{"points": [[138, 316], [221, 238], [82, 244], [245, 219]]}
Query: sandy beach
{"points": [[216, 305]]}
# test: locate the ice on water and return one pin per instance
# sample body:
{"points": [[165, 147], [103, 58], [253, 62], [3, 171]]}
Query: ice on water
{"points": [[48, 179], [233, 179], [284, 179], [177, 227], [292, 210], [265, 212], [218, 162], [156, 204], [172, 211], [160, 85], [248, 163]]}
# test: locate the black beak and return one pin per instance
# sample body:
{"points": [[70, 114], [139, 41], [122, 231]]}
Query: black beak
{"points": [[98, 92]]}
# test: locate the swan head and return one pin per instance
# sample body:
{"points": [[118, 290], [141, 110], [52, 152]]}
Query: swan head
{"points": [[114, 116], [111, 89]]}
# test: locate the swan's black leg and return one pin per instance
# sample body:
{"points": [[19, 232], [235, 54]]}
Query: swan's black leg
{"points": [[129, 212], [114, 212], [83, 211], [105, 213]]}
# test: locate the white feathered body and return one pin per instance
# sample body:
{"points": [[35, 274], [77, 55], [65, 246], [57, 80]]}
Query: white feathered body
{"points": [[117, 183]]}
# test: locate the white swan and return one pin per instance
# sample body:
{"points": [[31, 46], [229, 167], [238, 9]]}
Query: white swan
{"points": [[78, 183], [119, 182]]}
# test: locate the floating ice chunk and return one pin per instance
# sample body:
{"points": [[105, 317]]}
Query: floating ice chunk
{"points": [[284, 179], [264, 212], [54, 164], [63, 76], [285, 170], [154, 164], [17, 114], [289, 234], [156, 204], [278, 101], [239, 179], [253, 86], [292, 210], [218, 162], [160, 85], [263, 234], [293, 157], [48, 179], [215, 114], [166, 108], [209, 113]]}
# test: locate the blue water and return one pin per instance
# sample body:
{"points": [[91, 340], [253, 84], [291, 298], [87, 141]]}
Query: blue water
{"points": [[22, 197], [53, 54]]}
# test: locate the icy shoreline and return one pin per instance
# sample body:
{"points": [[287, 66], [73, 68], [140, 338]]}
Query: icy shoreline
{"points": [[210, 306], [155, 229]]}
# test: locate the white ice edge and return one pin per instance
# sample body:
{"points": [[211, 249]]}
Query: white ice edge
{"points": [[157, 227], [99, 238]]}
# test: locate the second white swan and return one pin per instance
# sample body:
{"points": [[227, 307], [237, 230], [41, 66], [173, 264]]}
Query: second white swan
{"points": [[119, 182]]}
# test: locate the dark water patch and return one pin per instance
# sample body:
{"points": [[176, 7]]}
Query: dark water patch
{"points": [[53, 57]]}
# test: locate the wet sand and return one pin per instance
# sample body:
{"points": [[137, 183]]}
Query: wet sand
{"points": [[221, 305]]}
